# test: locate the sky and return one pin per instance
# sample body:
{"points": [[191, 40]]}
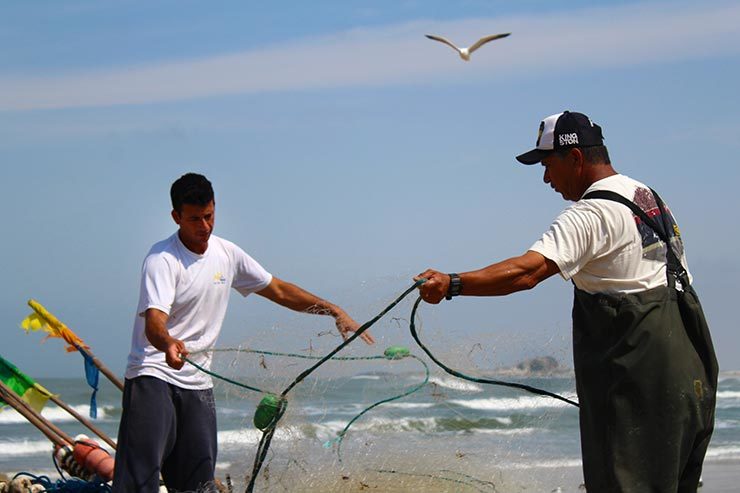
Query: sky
{"points": [[348, 153]]}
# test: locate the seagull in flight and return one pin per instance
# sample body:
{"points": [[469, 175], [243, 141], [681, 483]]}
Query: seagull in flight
{"points": [[466, 52]]}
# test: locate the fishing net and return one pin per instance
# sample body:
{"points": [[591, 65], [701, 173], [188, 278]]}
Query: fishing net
{"points": [[369, 419]]}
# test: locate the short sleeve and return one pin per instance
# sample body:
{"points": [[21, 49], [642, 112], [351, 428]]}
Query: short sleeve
{"points": [[572, 240], [158, 282], [249, 275]]}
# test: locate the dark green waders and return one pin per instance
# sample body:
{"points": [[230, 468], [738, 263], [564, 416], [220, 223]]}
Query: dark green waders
{"points": [[646, 376]]}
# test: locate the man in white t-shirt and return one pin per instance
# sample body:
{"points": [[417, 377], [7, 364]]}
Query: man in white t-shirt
{"points": [[646, 373], [168, 425]]}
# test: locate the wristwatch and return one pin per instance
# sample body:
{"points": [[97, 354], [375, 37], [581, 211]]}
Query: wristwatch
{"points": [[455, 286]]}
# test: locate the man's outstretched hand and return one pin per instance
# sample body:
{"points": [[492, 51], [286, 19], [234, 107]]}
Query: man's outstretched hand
{"points": [[346, 325], [435, 288]]}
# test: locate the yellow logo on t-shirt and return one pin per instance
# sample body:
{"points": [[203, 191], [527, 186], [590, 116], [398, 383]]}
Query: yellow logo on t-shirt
{"points": [[219, 278]]}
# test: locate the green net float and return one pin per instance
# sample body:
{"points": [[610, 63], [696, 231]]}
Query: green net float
{"points": [[268, 411], [396, 352]]}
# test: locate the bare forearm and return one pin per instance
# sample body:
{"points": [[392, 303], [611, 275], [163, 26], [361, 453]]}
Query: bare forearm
{"points": [[298, 299], [291, 296], [157, 334], [502, 278], [158, 339]]}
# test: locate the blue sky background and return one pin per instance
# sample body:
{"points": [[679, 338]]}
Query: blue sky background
{"points": [[348, 153]]}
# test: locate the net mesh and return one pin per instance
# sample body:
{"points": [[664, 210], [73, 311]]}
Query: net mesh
{"points": [[407, 431]]}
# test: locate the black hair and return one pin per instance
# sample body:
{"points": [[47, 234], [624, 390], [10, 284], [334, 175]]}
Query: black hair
{"points": [[596, 154], [191, 188], [591, 154]]}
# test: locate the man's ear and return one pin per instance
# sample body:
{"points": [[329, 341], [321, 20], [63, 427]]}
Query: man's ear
{"points": [[176, 216], [578, 158]]}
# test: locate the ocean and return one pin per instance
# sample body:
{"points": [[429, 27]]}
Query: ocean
{"points": [[450, 435]]}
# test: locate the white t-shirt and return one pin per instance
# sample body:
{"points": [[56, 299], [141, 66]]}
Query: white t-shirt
{"points": [[193, 290], [604, 248]]}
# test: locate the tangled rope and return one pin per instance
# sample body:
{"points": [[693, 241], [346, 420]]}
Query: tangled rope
{"points": [[72, 485], [268, 434], [273, 402]]}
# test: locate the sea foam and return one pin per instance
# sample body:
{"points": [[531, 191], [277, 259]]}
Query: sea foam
{"points": [[510, 403]]}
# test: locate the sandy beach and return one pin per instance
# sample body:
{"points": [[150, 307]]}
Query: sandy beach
{"points": [[722, 476], [719, 477]]}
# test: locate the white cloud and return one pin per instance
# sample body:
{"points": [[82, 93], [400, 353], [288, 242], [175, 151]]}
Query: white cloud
{"points": [[574, 40]]}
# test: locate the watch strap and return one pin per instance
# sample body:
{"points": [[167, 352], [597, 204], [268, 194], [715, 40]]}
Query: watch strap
{"points": [[455, 287]]}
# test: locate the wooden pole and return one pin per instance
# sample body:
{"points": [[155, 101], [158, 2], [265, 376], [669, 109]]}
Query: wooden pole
{"points": [[100, 366], [52, 432], [90, 426], [74, 340]]}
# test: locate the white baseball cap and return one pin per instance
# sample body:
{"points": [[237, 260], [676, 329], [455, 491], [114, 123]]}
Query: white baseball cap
{"points": [[562, 131]]}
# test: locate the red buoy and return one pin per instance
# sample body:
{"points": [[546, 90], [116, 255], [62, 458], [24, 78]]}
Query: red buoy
{"points": [[94, 459]]}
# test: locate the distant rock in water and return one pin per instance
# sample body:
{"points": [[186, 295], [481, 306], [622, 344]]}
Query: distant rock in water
{"points": [[541, 364]]}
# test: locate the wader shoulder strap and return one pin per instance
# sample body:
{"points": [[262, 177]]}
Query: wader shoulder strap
{"points": [[674, 264]]}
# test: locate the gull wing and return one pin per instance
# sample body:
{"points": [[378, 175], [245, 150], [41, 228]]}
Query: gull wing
{"points": [[443, 40], [485, 40]]}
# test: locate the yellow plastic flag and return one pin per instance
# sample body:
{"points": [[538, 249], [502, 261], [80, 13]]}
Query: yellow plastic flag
{"points": [[41, 319], [34, 322]]}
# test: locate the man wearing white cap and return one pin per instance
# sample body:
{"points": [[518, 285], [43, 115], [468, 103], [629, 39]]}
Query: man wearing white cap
{"points": [[646, 372]]}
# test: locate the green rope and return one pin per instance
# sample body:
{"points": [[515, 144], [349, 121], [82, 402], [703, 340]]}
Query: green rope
{"points": [[280, 402], [392, 353], [221, 377], [292, 355], [267, 435], [340, 436], [354, 336], [269, 353], [528, 388]]}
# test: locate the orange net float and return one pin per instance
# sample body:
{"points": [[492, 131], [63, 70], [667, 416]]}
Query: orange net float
{"points": [[91, 456], [85, 459]]}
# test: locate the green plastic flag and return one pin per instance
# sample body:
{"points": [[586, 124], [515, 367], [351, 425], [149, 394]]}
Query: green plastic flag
{"points": [[23, 385]]}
